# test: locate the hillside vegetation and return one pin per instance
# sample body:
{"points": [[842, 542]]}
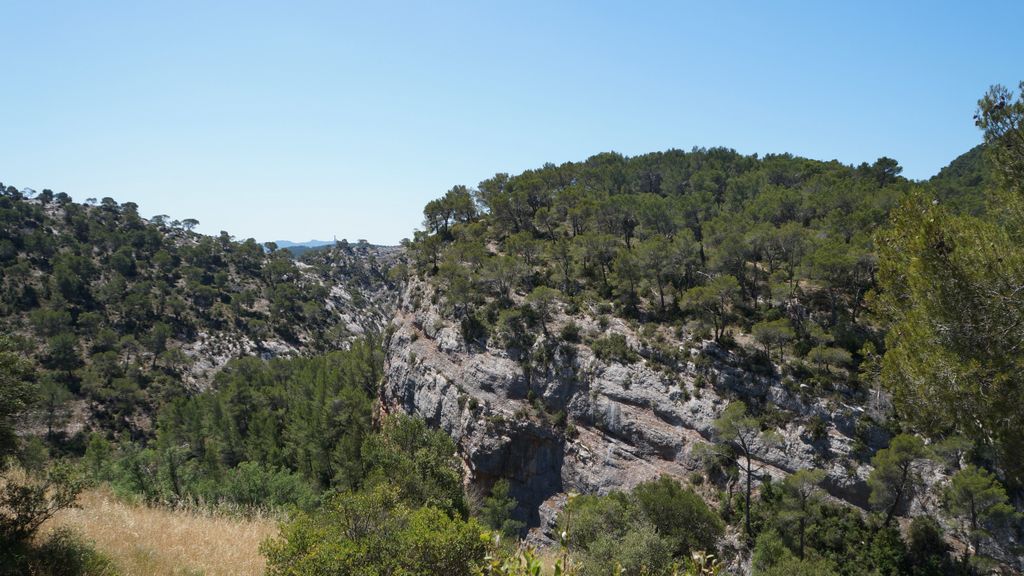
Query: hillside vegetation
{"points": [[848, 283], [765, 365], [127, 313], [778, 247]]}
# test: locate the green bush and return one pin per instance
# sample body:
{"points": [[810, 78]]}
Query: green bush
{"points": [[473, 329], [27, 500], [643, 530], [614, 348], [796, 567], [640, 550], [375, 533], [585, 518], [680, 516], [497, 510], [419, 461], [252, 484], [67, 553], [769, 550], [570, 332], [62, 553], [513, 329], [927, 549]]}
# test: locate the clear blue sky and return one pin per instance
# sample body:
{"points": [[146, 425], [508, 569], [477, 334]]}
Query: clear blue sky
{"points": [[294, 120]]}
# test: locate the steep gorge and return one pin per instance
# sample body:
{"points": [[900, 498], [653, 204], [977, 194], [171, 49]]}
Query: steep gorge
{"points": [[581, 424]]}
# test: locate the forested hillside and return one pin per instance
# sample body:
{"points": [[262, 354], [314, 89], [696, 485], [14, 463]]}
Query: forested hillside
{"points": [[127, 313], [740, 322], [695, 362], [678, 235]]}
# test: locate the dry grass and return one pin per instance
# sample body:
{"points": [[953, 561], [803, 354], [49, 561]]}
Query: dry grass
{"points": [[146, 541]]}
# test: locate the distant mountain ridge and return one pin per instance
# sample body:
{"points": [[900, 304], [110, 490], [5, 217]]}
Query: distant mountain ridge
{"points": [[300, 249], [307, 244]]}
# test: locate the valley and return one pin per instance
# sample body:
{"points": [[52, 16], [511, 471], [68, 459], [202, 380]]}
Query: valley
{"points": [[682, 362]]}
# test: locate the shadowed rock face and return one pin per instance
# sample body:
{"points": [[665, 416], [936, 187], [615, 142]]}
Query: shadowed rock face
{"points": [[571, 422], [477, 399], [574, 423]]}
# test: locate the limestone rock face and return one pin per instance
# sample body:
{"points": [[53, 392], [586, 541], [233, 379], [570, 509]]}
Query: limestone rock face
{"points": [[556, 419], [572, 422]]}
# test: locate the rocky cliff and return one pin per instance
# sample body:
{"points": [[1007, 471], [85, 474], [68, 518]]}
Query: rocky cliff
{"points": [[358, 299], [572, 422]]}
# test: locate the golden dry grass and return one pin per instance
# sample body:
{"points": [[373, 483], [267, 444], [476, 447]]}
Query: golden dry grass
{"points": [[147, 541]]}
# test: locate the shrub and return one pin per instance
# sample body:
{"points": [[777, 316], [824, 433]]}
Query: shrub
{"points": [[613, 348], [62, 553], [497, 511], [419, 461], [826, 358], [512, 329], [796, 567], [641, 531], [252, 484], [570, 332], [641, 550], [559, 419], [817, 428], [679, 515], [374, 532], [928, 552], [585, 518], [473, 329], [28, 500], [769, 550], [66, 553]]}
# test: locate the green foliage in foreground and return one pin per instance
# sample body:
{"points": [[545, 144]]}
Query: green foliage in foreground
{"points": [[63, 552], [28, 498], [658, 528], [409, 519], [375, 533], [950, 289], [656, 525], [525, 561]]}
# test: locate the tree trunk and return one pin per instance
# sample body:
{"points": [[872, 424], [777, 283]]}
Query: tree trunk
{"points": [[891, 513], [747, 510], [802, 520], [899, 496]]}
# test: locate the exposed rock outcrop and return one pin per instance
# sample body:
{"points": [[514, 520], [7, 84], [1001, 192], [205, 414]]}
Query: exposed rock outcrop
{"points": [[359, 297], [574, 423]]}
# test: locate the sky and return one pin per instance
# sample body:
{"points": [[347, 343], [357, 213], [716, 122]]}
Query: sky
{"points": [[298, 120]]}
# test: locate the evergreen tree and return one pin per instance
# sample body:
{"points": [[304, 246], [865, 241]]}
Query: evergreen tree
{"points": [[895, 478], [979, 502], [742, 431]]}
